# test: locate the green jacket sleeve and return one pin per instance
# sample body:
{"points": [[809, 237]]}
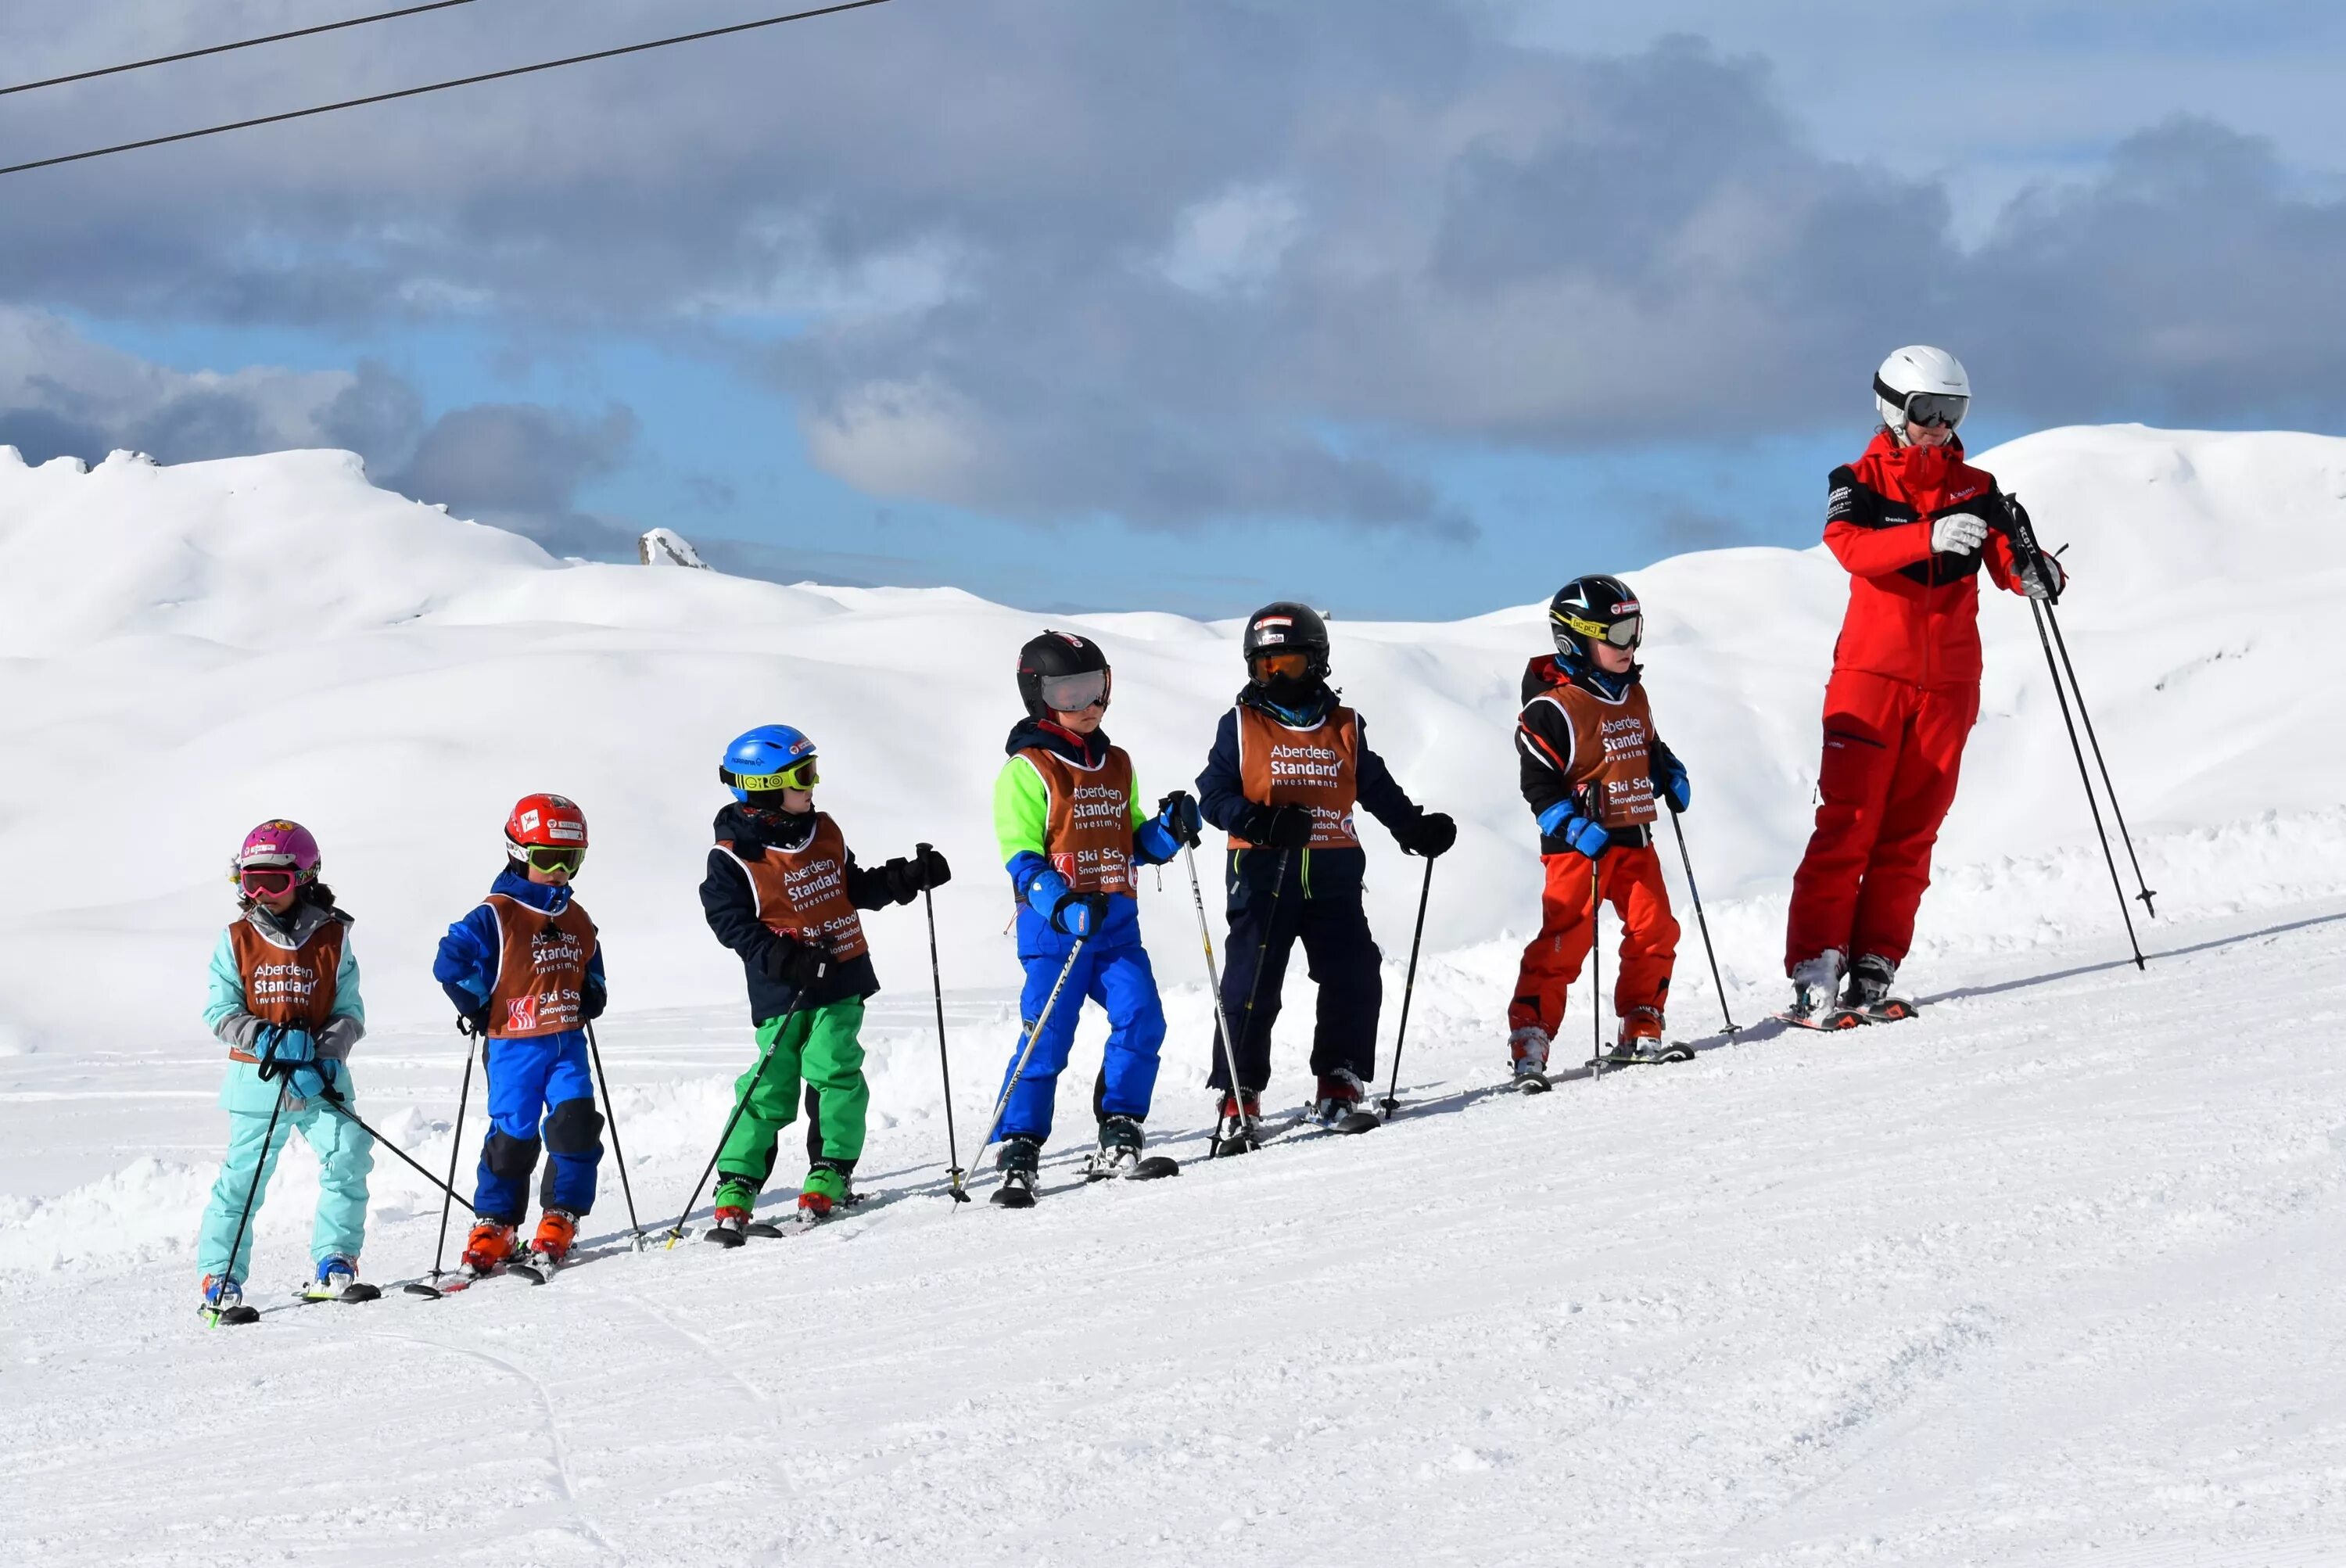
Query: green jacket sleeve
{"points": [[1022, 808]]}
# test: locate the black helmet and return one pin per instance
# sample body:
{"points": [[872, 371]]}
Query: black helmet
{"points": [[1589, 608], [1053, 657], [1286, 627]]}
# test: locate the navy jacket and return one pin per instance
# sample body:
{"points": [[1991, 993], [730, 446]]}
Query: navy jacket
{"points": [[1317, 873], [730, 905]]}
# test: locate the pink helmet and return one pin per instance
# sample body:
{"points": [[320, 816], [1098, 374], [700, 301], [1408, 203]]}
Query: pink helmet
{"points": [[278, 845]]}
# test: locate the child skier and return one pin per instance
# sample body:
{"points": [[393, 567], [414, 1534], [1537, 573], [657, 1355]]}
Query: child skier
{"points": [[1592, 767], [783, 891], [285, 1001], [1289, 763], [1068, 820], [526, 973]]}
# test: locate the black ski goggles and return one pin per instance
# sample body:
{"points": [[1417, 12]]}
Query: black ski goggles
{"points": [[1932, 411]]}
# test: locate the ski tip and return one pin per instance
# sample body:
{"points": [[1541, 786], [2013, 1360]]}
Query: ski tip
{"points": [[417, 1287], [1359, 1122], [357, 1293], [1012, 1198], [1155, 1169], [525, 1271]]}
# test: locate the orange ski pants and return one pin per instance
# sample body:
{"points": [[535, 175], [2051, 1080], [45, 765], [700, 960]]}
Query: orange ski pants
{"points": [[1893, 754], [1630, 879]]}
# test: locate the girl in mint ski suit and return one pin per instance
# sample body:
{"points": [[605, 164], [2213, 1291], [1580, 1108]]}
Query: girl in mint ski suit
{"points": [[284, 990]]}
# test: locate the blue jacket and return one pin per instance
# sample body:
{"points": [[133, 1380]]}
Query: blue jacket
{"points": [[466, 963], [1318, 873]]}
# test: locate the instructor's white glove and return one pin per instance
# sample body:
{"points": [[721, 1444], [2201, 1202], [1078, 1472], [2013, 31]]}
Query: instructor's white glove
{"points": [[2036, 587], [1957, 533]]}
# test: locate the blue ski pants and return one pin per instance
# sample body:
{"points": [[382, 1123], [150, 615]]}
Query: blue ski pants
{"points": [[541, 1094], [1119, 979]]}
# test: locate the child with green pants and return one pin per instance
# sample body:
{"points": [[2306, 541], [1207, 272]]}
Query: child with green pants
{"points": [[783, 891]]}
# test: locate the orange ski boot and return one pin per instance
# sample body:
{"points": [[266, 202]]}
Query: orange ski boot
{"points": [[556, 1229], [489, 1245]]}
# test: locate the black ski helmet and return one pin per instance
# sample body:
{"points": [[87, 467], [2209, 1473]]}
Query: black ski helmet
{"points": [[1054, 654], [1286, 628], [1589, 608]]}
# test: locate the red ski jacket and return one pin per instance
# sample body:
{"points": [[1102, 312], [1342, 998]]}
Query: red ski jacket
{"points": [[1913, 615]]}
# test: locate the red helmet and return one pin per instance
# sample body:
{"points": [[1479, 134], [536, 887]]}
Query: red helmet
{"points": [[550, 821]]}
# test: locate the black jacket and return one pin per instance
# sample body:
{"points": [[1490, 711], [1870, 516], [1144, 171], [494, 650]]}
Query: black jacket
{"points": [[731, 907], [1544, 738]]}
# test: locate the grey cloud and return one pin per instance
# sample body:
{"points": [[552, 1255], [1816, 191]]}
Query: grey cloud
{"points": [[1050, 259], [520, 466]]}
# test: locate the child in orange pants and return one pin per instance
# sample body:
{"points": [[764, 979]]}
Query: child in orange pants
{"points": [[1594, 775]]}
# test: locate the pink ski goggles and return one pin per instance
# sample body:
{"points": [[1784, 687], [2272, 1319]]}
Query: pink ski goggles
{"points": [[267, 882]]}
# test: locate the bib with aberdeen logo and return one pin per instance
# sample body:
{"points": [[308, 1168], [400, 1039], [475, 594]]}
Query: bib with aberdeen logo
{"points": [[1318, 767], [541, 969], [802, 894]]}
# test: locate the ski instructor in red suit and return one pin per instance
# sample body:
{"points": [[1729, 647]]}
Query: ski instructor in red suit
{"points": [[1913, 523]]}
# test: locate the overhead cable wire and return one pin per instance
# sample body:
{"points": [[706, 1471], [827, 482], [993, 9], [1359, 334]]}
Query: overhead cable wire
{"points": [[440, 87], [227, 48]]}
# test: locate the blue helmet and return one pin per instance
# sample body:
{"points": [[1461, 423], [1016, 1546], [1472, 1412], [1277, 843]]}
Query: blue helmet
{"points": [[769, 757]]}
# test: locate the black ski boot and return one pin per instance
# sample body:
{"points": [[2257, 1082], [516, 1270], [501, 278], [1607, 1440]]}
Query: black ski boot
{"points": [[1872, 987], [1120, 1149], [1017, 1161]]}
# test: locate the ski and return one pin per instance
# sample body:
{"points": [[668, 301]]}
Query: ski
{"points": [[1675, 1051], [1156, 1167], [350, 1295], [1890, 1010], [232, 1317], [1826, 1020]]}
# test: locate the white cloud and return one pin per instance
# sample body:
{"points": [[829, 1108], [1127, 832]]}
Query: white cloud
{"points": [[1232, 243]]}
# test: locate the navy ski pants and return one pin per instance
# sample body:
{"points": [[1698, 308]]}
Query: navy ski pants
{"points": [[1342, 958]]}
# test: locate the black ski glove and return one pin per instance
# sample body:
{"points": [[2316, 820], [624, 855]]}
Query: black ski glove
{"points": [[1278, 826], [1430, 835], [476, 1023], [592, 999], [909, 876], [797, 964]]}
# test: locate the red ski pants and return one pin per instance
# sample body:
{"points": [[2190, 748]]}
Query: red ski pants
{"points": [[1892, 751], [1630, 879]]}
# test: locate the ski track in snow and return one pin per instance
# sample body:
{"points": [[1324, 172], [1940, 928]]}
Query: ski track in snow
{"points": [[2046, 1275]]}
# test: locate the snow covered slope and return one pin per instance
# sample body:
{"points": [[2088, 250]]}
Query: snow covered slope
{"points": [[2048, 1276], [185, 650]]}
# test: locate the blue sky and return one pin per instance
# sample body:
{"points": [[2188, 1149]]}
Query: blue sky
{"points": [[1408, 310]]}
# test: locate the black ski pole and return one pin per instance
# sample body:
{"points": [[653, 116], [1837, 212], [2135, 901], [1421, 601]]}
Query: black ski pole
{"points": [[2021, 533], [2145, 893], [675, 1233], [253, 1192], [945, 1066], [611, 1115], [1214, 984], [1596, 959], [1709, 951], [1254, 988], [1392, 1101], [335, 1101], [455, 1147], [2053, 668], [1027, 1048]]}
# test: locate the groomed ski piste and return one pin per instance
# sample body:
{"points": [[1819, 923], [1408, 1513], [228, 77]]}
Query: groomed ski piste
{"points": [[2047, 1275]]}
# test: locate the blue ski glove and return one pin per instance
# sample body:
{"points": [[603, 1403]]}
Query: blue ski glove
{"points": [[285, 1047], [1071, 913], [1178, 815], [309, 1081], [1669, 777], [1563, 821]]}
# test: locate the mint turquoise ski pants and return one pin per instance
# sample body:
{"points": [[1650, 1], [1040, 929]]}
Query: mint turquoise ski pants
{"points": [[345, 1156]]}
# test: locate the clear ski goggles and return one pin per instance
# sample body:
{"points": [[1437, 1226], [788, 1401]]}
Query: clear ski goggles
{"points": [[554, 856], [799, 775], [1075, 693], [1937, 411], [267, 882], [1629, 632]]}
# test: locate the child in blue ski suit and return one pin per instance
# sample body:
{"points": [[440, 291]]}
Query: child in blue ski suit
{"points": [[284, 1000], [525, 971], [1068, 819]]}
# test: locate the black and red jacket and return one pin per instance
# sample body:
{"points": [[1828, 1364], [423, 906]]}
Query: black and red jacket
{"points": [[1913, 615]]}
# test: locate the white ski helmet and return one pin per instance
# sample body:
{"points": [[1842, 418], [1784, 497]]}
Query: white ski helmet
{"points": [[1924, 385]]}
